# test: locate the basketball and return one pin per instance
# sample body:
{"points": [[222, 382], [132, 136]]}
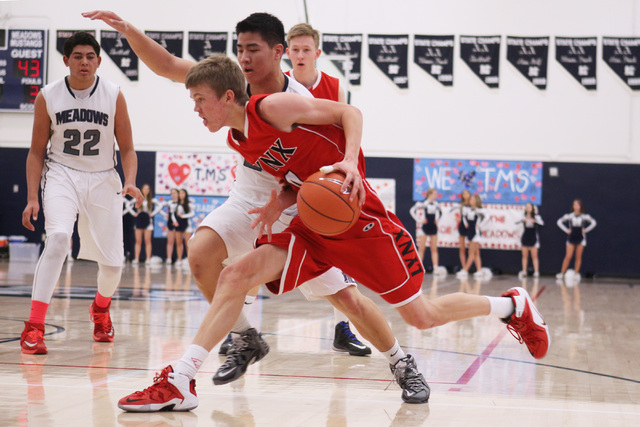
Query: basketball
{"points": [[323, 207]]}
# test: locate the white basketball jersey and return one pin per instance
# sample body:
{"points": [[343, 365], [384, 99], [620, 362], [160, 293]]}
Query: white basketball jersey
{"points": [[254, 186], [82, 130]]}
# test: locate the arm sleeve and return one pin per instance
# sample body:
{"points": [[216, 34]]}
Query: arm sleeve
{"points": [[414, 211], [561, 224], [592, 223], [157, 207], [539, 220], [191, 212], [438, 212]]}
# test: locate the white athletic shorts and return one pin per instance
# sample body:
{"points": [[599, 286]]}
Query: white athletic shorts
{"points": [[232, 222], [95, 198]]}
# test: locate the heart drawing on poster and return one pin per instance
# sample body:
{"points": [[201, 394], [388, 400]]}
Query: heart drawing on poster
{"points": [[179, 173]]}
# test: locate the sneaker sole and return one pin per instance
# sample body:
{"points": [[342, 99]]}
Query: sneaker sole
{"points": [[364, 352]]}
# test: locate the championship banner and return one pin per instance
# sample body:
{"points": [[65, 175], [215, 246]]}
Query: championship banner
{"points": [[434, 54], [530, 56], [495, 181], [202, 206], [117, 47], [500, 232], [349, 45], [170, 40], [390, 54], [621, 54], [482, 55], [200, 174], [203, 44], [234, 43], [63, 35], [578, 56]]}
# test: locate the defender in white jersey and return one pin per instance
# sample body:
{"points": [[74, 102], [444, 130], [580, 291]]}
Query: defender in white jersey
{"points": [[260, 49], [79, 118]]}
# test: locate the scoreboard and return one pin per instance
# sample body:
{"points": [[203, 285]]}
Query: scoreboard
{"points": [[23, 68]]}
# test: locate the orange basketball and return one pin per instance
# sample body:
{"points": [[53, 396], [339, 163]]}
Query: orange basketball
{"points": [[323, 207]]}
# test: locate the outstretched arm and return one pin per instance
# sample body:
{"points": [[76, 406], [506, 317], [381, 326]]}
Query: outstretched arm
{"points": [[157, 58]]}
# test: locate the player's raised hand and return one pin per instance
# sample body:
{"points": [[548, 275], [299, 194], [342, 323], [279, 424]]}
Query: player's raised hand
{"points": [[30, 213], [110, 18]]}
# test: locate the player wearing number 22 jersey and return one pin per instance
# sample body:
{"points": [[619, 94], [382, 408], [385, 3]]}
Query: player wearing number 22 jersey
{"points": [[77, 122], [377, 235]]}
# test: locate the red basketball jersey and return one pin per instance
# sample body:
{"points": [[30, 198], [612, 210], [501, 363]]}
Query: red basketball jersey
{"points": [[325, 87], [377, 251]]}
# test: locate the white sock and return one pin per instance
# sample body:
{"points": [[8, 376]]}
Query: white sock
{"points": [[501, 306], [242, 324], [191, 361], [339, 316], [394, 354]]}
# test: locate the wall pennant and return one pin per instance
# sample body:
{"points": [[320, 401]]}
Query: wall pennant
{"points": [[482, 55], [349, 45], [578, 56], [434, 54], [390, 54], [117, 47], [204, 44], [622, 55], [63, 35], [170, 40], [530, 56]]}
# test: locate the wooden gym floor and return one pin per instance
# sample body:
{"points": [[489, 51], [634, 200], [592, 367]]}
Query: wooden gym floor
{"points": [[479, 375]]}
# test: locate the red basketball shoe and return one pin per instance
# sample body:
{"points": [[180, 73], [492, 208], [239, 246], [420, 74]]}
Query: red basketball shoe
{"points": [[169, 392], [32, 339], [526, 324], [102, 329]]}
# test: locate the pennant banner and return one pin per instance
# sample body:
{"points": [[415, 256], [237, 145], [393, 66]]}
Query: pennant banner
{"points": [[530, 56], [117, 47], [170, 40], [434, 54], [390, 54], [621, 54], [482, 55], [578, 56], [63, 35], [349, 45], [496, 181], [202, 44]]}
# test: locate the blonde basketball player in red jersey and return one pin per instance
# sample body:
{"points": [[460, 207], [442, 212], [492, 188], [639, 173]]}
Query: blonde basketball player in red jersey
{"points": [[288, 148], [303, 51]]}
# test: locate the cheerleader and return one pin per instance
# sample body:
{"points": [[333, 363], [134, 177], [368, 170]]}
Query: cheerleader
{"points": [[183, 231], [427, 214], [144, 223], [172, 222], [460, 211], [475, 219], [530, 241], [576, 224]]}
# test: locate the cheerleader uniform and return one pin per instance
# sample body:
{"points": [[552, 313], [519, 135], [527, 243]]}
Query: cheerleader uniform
{"points": [[418, 215], [574, 225], [462, 228], [474, 220], [184, 223], [530, 238], [145, 213], [432, 213], [171, 214]]}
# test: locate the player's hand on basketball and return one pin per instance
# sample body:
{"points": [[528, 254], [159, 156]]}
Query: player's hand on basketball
{"points": [[30, 213], [352, 179], [110, 18], [267, 215]]}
